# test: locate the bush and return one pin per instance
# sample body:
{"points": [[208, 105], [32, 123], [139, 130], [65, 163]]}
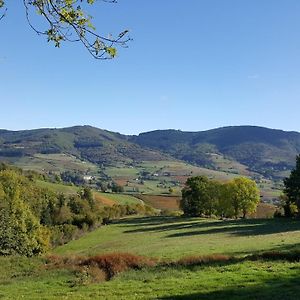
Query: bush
{"points": [[61, 234], [114, 263]]}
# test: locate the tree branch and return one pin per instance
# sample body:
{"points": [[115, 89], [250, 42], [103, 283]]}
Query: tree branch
{"points": [[68, 22]]}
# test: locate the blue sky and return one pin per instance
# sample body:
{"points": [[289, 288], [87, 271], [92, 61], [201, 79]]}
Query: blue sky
{"points": [[192, 65]]}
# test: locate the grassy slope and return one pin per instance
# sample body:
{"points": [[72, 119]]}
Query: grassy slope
{"points": [[176, 237], [104, 198], [23, 278], [248, 280], [111, 199], [161, 202], [180, 172], [57, 187], [126, 176], [54, 163]]}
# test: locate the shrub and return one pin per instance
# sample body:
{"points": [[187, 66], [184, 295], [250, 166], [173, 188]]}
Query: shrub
{"points": [[114, 263], [61, 234]]}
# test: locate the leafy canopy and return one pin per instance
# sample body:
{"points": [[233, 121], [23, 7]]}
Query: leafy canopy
{"points": [[244, 195], [292, 188], [20, 231], [67, 20], [202, 196]]}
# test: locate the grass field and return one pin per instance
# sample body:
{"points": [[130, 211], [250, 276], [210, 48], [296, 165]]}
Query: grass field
{"points": [[168, 238], [247, 280], [57, 187], [128, 176], [169, 174], [108, 199], [55, 163], [174, 237], [173, 174], [121, 199], [161, 202]]}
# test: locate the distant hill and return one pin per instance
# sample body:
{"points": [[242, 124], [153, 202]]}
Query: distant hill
{"points": [[266, 151], [85, 142], [263, 150]]}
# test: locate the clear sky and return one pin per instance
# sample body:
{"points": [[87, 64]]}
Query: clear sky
{"points": [[192, 65]]}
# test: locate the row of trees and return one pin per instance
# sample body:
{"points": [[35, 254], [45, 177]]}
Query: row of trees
{"points": [[33, 219], [204, 197]]}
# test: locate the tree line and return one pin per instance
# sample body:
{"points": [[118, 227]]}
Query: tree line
{"points": [[34, 219], [204, 197]]}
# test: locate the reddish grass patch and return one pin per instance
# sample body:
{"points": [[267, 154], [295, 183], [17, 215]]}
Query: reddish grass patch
{"points": [[115, 263], [103, 200], [101, 267], [182, 179], [121, 181], [104, 267], [161, 202]]}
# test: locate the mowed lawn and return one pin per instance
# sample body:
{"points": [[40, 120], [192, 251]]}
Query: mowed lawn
{"points": [[168, 238], [174, 237]]}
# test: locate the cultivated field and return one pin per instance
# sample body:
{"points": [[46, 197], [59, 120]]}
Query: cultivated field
{"points": [[120, 199]]}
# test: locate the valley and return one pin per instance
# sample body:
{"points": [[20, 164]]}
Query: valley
{"points": [[157, 162], [112, 205]]}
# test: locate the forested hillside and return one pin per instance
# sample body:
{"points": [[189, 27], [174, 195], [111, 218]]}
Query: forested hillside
{"points": [[85, 142], [266, 151]]}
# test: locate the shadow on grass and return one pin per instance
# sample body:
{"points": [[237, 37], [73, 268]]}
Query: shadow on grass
{"points": [[245, 228], [150, 221], [275, 287], [287, 288], [194, 226]]}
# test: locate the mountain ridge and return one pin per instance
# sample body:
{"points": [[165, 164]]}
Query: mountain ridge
{"points": [[264, 150]]}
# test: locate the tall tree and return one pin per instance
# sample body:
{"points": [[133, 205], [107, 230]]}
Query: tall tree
{"points": [[20, 231], [292, 186], [199, 196], [202, 196], [244, 195]]}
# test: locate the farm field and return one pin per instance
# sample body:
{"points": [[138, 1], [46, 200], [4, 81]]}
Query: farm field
{"points": [[162, 202], [173, 174], [121, 199], [55, 163], [170, 203], [105, 198], [168, 239], [169, 178]]}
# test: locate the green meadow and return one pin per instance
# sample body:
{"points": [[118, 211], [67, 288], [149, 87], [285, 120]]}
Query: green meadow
{"points": [[168, 239], [175, 237]]}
